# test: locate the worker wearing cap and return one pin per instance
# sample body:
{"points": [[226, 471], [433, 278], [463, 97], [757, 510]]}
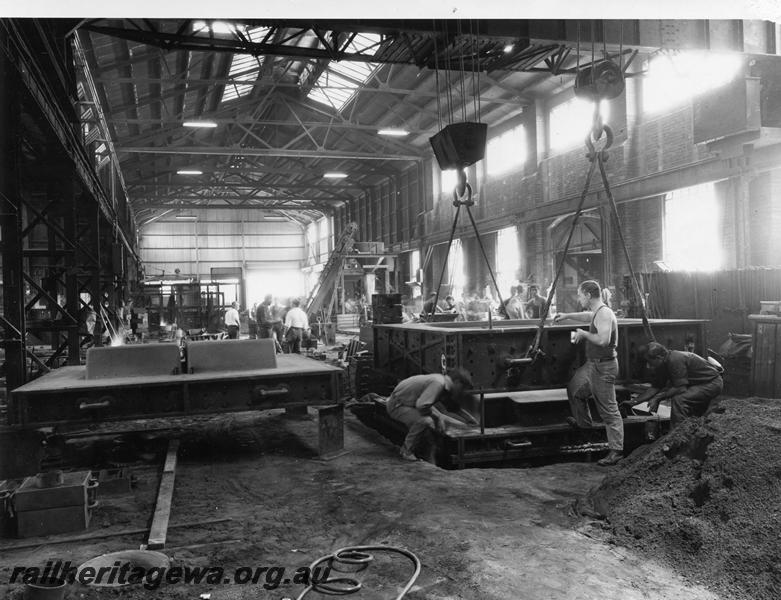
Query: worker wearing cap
{"points": [[597, 376], [691, 382], [413, 402]]}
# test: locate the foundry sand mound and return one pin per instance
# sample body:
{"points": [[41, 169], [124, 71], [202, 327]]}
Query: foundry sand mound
{"points": [[705, 499]]}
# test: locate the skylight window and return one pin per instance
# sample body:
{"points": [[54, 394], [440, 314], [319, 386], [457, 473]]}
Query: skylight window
{"points": [[338, 83], [244, 67], [214, 27]]}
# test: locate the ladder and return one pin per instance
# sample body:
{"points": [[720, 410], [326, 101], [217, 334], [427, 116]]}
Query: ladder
{"points": [[330, 273]]}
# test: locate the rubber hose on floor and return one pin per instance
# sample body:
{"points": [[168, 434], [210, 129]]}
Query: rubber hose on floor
{"points": [[358, 559]]}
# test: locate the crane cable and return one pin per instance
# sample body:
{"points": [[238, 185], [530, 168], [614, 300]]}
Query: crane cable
{"points": [[596, 158]]}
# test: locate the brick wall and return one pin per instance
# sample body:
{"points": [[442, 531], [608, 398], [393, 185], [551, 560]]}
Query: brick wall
{"points": [[659, 146]]}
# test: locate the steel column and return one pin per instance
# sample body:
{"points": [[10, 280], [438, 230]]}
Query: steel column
{"points": [[72, 299], [13, 322]]}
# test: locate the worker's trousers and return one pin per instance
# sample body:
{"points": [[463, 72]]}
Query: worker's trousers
{"points": [[420, 436], [597, 378], [694, 401]]}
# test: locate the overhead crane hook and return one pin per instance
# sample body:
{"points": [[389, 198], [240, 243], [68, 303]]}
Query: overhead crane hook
{"points": [[601, 81], [462, 196]]}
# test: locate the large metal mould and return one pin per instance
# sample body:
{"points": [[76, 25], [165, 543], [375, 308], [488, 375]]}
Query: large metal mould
{"points": [[497, 355]]}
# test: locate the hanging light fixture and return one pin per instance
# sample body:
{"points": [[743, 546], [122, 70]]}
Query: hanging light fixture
{"points": [[393, 132], [207, 124]]}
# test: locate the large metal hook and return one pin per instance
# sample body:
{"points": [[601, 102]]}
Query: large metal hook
{"points": [[462, 188], [591, 140]]}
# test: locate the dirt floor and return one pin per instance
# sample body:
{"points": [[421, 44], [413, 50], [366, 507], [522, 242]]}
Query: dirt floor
{"points": [[508, 534], [705, 499]]}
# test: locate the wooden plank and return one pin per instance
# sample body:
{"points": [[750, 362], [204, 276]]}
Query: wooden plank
{"points": [[159, 529]]}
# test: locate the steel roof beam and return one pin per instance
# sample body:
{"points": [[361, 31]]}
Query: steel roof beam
{"points": [[222, 151]]}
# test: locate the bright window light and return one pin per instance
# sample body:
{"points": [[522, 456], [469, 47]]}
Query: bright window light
{"points": [[455, 269], [338, 83], [281, 283], [414, 265], [324, 227], [571, 121], [244, 67], [449, 180], [673, 79], [691, 229], [506, 151], [507, 267], [311, 241]]}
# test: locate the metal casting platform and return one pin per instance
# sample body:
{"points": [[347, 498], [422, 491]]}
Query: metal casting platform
{"points": [[516, 426], [66, 397]]}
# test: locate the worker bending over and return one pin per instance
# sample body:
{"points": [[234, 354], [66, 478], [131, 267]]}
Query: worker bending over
{"points": [[691, 382], [413, 401], [597, 376]]}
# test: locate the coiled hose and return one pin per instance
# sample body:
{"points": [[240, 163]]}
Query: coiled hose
{"points": [[359, 558]]}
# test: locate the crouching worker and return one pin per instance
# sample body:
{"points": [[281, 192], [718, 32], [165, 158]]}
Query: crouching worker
{"points": [[413, 402], [691, 383]]}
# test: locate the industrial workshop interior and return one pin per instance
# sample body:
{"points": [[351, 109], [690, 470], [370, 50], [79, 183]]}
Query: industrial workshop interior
{"points": [[436, 308]]}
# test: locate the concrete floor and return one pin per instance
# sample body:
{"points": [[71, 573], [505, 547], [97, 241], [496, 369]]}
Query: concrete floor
{"points": [[488, 534]]}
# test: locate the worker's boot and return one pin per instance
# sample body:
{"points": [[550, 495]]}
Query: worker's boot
{"points": [[407, 455], [613, 457]]}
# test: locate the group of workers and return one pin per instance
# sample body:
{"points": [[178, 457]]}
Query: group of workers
{"points": [[684, 379], [517, 306], [269, 321]]}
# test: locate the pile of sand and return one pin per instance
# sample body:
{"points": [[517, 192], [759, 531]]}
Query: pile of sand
{"points": [[705, 499]]}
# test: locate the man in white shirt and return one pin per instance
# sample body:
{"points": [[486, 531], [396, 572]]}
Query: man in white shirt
{"points": [[232, 321], [296, 323]]}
